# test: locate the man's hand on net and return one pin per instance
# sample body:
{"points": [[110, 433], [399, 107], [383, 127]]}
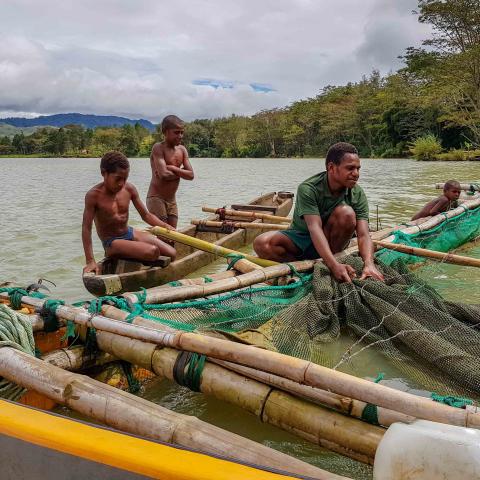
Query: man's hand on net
{"points": [[342, 272], [371, 271]]}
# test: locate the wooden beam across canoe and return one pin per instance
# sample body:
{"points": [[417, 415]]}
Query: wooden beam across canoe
{"points": [[222, 212], [254, 208], [233, 224]]}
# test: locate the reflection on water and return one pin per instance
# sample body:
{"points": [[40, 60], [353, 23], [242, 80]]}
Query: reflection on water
{"points": [[40, 223]]}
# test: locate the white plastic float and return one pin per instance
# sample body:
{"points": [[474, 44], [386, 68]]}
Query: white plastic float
{"points": [[426, 450]]}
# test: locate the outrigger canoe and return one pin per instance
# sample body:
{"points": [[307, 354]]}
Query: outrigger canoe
{"points": [[122, 275]]}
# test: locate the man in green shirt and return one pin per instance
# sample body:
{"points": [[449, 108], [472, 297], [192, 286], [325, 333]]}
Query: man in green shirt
{"points": [[329, 208]]}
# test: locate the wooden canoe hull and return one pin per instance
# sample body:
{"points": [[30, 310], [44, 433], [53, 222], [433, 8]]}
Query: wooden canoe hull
{"points": [[188, 259]]}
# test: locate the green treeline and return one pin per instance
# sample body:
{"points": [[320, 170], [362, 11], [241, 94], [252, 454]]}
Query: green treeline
{"points": [[429, 108], [75, 140]]}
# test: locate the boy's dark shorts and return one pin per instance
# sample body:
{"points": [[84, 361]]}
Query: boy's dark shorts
{"points": [[303, 242], [126, 236]]}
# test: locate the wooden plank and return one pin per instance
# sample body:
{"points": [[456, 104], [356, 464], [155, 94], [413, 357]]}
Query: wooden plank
{"points": [[229, 226], [255, 208]]}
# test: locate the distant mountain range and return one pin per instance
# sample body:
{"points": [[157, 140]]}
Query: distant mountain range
{"points": [[10, 131], [88, 121]]}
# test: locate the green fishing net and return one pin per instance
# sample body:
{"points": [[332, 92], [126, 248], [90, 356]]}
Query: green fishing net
{"points": [[450, 234]]}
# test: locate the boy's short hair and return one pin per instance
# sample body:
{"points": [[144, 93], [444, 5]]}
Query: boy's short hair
{"points": [[451, 184], [337, 151], [113, 160], [170, 122]]}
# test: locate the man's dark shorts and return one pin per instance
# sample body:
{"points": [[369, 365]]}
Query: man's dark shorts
{"points": [[303, 242]]}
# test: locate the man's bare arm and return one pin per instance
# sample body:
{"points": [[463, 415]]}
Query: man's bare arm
{"points": [[341, 272], [147, 216], [88, 216], [365, 248], [186, 171], [159, 165]]}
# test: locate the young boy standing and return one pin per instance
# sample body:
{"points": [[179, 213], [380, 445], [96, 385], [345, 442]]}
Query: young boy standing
{"points": [[107, 205], [447, 201], [169, 162]]}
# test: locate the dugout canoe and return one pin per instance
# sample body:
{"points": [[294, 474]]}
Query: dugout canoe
{"points": [[119, 275]]}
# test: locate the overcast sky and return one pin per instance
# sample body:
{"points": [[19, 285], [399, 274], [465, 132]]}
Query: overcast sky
{"points": [[197, 59]]}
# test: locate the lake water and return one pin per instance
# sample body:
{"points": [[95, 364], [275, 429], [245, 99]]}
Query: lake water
{"points": [[40, 227]]}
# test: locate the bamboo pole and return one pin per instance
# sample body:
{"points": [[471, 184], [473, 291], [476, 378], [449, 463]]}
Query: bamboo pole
{"points": [[296, 369], [245, 225], [423, 252], [200, 280], [135, 415], [248, 214], [243, 265], [207, 246], [74, 359], [314, 423], [225, 285], [339, 403]]}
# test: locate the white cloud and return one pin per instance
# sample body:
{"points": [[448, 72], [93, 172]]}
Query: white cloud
{"points": [[140, 59]]}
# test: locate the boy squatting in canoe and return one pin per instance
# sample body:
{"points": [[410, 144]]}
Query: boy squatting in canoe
{"points": [[107, 204], [447, 201], [169, 162], [329, 208]]}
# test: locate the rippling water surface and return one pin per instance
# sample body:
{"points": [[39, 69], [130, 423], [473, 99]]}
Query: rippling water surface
{"points": [[40, 226]]}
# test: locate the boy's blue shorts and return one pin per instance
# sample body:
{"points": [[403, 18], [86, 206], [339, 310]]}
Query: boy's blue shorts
{"points": [[126, 236]]}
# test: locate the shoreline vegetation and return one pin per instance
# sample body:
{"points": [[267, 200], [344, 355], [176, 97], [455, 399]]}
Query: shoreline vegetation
{"points": [[453, 156], [428, 109]]}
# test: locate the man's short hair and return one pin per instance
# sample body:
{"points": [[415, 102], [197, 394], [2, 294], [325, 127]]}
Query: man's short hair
{"points": [[113, 161], [170, 122], [451, 184], [337, 151]]}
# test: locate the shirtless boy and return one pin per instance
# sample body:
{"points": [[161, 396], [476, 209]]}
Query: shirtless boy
{"points": [[169, 162], [107, 204], [330, 207], [447, 201]]}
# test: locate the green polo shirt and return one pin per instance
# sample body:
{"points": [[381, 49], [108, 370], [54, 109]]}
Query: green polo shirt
{"points": [[314, 198]]}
